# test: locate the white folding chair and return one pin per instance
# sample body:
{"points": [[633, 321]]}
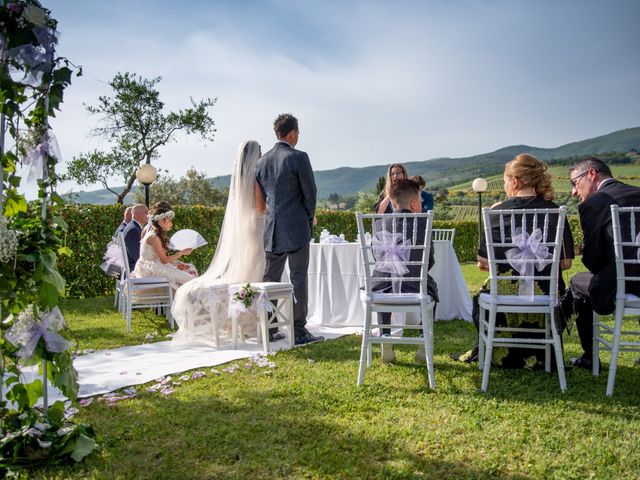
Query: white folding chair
{"points": [[149, 292], [625, 222], [502, 229], [443, 234], [274, 303], [417, 228]]}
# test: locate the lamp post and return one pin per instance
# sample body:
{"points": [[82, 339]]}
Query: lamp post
{"points": [[146, 175], [479, 186]]}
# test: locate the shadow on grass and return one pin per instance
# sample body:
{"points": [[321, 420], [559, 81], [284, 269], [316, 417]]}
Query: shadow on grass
{"points": [[273, 435]]}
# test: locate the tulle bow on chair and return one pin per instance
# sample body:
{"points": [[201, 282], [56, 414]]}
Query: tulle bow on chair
{"points": [[27, 332], [391, 250], [527, 255]]}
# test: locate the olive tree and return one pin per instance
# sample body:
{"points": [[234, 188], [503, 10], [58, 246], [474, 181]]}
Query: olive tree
{"points": [[134, 124]]}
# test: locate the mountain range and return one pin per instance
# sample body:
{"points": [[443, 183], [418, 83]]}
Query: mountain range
{"points": [[438, 172]]}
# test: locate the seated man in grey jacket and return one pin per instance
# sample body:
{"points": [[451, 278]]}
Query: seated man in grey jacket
{"points": [[405, 198]]}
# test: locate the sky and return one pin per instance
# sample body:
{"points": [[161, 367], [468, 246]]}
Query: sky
{"points": [[371, 82]]}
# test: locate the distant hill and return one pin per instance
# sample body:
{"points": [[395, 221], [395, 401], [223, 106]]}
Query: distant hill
{"points": [[440, 172]]}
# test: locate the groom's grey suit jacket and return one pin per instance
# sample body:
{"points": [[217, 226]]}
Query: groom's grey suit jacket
{"points": [[286, 180]]}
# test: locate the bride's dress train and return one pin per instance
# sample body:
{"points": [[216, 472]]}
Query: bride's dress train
{"points": [[200, 307]]}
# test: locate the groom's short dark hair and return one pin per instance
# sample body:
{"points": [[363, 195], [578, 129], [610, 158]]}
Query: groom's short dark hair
{"points": [[284, 124], [402, 192]]}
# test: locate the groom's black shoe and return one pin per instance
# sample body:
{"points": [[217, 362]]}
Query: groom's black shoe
{"points": [[308, 338], [276, 336], [584, 362]]}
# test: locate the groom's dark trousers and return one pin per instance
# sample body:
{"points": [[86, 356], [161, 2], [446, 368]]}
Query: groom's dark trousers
{"points": [[298, 266]]}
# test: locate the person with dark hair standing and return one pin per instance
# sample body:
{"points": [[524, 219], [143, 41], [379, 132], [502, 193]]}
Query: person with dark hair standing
{"points": [[287, 184], [593, 183], [395, 173], [426, 197]]}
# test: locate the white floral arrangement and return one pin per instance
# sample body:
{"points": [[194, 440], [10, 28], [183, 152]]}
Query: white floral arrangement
{"points": [[162, 216], [8, 242]]}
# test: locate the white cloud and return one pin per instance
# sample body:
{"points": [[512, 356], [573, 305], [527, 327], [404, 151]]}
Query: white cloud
{"points": [[372, 84]]}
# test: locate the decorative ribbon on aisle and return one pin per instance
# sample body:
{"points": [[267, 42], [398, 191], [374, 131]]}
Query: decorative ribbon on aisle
{"points": [[527, 255], [391, 250]]}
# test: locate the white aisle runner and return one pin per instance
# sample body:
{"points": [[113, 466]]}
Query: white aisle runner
{"points": [[109, 370]]}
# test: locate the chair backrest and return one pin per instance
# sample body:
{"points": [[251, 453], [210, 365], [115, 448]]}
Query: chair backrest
{"points": [[397, 240], [625, 223], [444, 234], [508, 231], [126, 271]]}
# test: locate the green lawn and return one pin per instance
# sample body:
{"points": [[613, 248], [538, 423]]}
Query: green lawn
{"points": [[306, 418]]}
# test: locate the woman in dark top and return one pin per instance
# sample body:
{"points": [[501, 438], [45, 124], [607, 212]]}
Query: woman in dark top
{"points": [[527, 183], [395, 172]]}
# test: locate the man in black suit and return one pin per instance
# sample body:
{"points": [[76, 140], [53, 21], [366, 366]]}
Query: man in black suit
{"points": [[132, 233], [405, 198], [592, 183], [286, 180]]}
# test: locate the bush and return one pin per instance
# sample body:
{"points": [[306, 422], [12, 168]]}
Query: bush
{"points": [[91, 228]]}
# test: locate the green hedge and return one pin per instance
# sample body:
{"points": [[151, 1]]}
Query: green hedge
{"points": [[91, 227]]}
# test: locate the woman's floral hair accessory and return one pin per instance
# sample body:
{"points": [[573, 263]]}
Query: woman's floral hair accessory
{"points": [[162, 216]]}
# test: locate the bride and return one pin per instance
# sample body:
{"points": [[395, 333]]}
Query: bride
{"points": [[201, 304]]}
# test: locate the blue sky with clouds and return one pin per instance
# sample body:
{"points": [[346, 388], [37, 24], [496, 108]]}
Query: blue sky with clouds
{"points": [[372, 82]]}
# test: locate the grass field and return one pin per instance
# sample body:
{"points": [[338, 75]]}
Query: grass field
{"points": [[306, 418]]}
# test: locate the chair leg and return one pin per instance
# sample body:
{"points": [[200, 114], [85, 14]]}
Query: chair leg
{"points": [[290, 328], [557, 347], [615, 349], [427, 332], [489, 351], [168, 309], [264, 319], [234, 331], [595, 356], [481, 344], [547, 348], [365, 345], [128, 313]]}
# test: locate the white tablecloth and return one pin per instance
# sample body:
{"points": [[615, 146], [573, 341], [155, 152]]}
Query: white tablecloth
{"points": [[336, 275]]}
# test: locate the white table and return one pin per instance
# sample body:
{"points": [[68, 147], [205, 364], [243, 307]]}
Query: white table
{"points": [[336, 275]]}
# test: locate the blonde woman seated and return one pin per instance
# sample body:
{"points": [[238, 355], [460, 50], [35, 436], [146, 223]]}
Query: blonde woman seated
{"points": [[527, 184], [154, 260]]}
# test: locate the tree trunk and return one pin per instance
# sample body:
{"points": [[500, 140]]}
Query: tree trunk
{"points": [[127, 189]]}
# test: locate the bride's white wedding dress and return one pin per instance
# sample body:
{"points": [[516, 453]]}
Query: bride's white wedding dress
{"points": [[201, 304]]}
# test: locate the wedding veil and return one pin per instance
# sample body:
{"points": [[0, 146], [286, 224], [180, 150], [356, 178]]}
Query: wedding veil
{"points": [[239, 256]]}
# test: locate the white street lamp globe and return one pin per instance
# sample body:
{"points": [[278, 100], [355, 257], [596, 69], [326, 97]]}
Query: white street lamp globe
{"points": [[147, 174], [479, 185]]}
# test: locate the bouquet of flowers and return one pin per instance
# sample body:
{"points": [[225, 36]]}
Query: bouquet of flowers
{"points": [[245, 295]]}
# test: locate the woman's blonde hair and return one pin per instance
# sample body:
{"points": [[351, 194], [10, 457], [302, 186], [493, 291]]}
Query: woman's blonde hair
{"points": [[391, 167], [532, 173]]}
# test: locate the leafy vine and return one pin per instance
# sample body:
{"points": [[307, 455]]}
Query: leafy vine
{"points": [[32, 237]]}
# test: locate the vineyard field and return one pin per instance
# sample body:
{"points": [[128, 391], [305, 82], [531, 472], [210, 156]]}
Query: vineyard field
{"points": [[460, 213], [629, 174]]}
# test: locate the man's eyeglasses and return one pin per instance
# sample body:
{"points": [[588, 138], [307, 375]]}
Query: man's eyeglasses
{"points": [[575, 181]]}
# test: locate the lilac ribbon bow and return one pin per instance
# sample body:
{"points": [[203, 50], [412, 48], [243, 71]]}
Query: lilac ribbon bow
{"points": [[26, 333], [35, 157], [391, 250], [527, 255]]}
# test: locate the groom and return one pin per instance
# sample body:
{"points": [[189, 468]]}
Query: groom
{"points": [[286, 181]]}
